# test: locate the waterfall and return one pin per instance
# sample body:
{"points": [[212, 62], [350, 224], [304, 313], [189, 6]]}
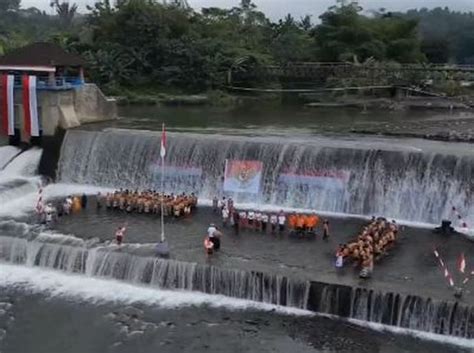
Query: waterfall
{"points": [[73, 255], [404, 184], [167, 274], [407, 311]]}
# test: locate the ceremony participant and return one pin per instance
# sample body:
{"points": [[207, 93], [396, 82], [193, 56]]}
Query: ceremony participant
{"points": [[214, 235], [258, 221], [119, 235], [325, 229], [215, 204], [243, 219], [208, 246], [281, 221], [274, 222], [225, 216], [84, 201], [264, 222], [251, 219]]}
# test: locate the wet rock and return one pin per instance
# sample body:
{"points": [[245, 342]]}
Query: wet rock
{"points": [[117, 344], [134, 334], [3, 312], [133, 312], [5, 305], [3, 333], [110, 316], [251, 322]]}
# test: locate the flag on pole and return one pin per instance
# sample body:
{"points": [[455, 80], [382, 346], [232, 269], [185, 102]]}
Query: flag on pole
{"points": [[8, 113], [462, 263], [163, 142], [30, 105], [39, 203]]}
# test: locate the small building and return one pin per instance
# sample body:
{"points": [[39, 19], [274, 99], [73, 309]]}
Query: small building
{"points": [[55, 68], [64, 99]]}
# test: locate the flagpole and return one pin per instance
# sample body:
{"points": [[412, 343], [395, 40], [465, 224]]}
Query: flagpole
{"points": [[162, 154], [162, 199]]}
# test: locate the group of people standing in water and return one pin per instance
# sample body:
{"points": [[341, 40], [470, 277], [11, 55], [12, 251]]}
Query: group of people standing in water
{"points": [[149, 202], [50, 212], [372, 242], [295, 223]]}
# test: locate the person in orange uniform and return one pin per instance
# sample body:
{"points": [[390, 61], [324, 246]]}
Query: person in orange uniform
{"points": [[292, 222], [300, 224], [312, 223]]}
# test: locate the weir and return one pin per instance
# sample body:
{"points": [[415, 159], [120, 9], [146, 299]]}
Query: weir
{"points": [[73, 255], [404, 184]]}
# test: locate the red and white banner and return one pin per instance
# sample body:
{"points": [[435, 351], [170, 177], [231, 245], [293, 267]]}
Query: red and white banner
{"points": [[323, 179], [8, 112], [243, 176], [30, 105]]}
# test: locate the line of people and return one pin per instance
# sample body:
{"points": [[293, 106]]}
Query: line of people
{"points": [[296, 224], [50, 212], [149, 202], [373, 241]]}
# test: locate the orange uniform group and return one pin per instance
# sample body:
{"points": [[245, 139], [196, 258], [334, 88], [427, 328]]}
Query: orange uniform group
{"points": [[303, 222]]}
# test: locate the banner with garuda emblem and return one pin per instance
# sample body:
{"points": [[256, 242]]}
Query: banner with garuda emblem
{"points": [[243, 176]]}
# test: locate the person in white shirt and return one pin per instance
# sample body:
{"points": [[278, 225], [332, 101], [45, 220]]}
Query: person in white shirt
{"points": [[274, 222], [258, 221], [214, 236], [243, 219], [225, 216], [251, 218], [281, 221], [264, 222]]}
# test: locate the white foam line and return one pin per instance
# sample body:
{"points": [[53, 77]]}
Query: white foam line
{"points": [[96, 291]]}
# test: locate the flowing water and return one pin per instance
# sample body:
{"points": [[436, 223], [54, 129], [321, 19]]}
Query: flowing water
{"points": [[407, 180], [326, 175]]}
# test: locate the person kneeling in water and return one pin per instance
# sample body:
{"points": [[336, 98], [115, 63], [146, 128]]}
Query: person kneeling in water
{"points": [[208, 246], [214, 236]]}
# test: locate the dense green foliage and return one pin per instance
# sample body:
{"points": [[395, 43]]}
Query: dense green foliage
{"points": [[447, 36], [144, 44]]}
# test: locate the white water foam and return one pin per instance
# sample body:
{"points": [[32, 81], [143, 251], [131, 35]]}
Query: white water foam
{"points": [[97, 291], [94, 290], [7, 153]]}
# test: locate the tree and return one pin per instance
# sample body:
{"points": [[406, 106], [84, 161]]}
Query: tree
{"points": [[65, 12]]}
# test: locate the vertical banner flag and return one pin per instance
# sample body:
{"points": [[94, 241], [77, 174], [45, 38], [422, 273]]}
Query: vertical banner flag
{"points": [[163, 142], [243, 176], [8, 113], [30, 105]]}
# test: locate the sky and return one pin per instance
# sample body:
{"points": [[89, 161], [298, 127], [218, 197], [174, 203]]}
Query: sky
{"points": [[279, 8]]}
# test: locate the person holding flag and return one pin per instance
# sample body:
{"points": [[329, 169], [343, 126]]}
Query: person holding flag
{"points": [[120, 234]]}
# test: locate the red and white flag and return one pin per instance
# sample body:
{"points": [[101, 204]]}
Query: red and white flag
{"points": [[40, 204], [462, 263], [163, 143], [30, 105], [8, 113]]}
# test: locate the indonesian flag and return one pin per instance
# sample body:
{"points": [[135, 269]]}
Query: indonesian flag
{"points": [[40, 204], [163, 143], [8, 113], [30, 105], [462, 263]]}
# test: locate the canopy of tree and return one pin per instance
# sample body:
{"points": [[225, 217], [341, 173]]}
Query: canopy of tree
{"points": [[145, 43]]}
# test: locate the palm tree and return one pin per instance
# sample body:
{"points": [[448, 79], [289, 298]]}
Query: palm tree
{"points": [[65, 11]]}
